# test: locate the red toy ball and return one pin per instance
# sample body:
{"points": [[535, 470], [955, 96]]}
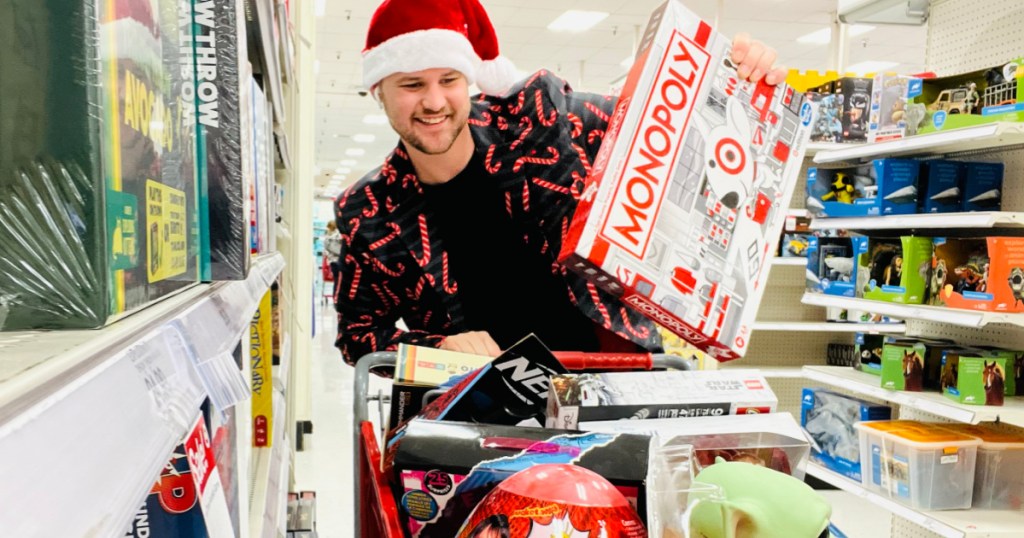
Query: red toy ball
{"points": [[560, 501]]}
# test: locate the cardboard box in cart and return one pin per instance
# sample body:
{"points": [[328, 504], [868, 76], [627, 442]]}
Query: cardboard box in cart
{"points": [[685, 201]]}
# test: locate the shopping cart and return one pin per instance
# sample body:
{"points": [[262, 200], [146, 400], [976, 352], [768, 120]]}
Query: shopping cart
{"points": [[376, 513]]}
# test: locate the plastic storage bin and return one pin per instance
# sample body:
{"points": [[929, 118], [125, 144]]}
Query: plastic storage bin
{"points": [[999, 473], [924, 466]]}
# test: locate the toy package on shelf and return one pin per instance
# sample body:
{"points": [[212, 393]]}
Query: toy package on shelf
{"points": [[772, 440], [829, 418], [973, 98], [832, 264], [869, 349], [884, 187], [795, 245], [854, 101], [912, 364], [894, 114], [978, 274], [924, 466], [576, 398], [942, 187], [828, 126], [98, 202], [687, 197], [983, 186], [977, 376], [999, 472], [221, 89], [444, 469], [895, 270]]}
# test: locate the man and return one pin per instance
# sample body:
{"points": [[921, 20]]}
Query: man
{"points": [[458, 232], [332, 248]]}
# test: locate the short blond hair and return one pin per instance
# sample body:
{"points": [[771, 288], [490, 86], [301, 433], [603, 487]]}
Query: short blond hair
{"points": [[331, 226]]}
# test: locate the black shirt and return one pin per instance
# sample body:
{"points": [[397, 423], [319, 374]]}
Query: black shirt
{"points": [[505, 287]]}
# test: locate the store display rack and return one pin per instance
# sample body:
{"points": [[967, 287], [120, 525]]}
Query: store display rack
{"points": [[948, 524], [990, 137], [953, 316], [931, 221], [794, 262], [831, 327], [99, 411]]}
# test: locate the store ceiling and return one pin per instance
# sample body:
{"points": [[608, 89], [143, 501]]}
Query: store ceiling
{"points": [[590, 61]]}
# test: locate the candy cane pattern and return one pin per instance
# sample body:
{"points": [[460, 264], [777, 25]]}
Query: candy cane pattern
{"points": [[584, 160], [390, 294], [537, 75], [577, 124], [364, 322], [389, 205], [425, 241], [598, 112], [642, 332], [427, 316], [411, 179], [546, 121], [526, 197], [595, 135], [526, 122], [600, 306], [515, 110], [543, 183], [484, 122], [371, 337], [508, 204], [555, 156], [356, 276], [493, 169], [371, 211], [395, 232], [384, 269], [401, 154], [450, 287], [502, 123]]}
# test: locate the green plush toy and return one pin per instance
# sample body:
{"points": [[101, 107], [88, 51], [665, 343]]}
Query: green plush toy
{"points": [[758, 503]]}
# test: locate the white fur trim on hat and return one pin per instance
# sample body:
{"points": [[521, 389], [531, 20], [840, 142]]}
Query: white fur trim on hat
{"points": [[419, 50], [496, 76]]}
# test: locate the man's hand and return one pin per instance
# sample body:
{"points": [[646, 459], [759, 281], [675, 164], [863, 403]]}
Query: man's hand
{"points": [[755, 60], [475, 342]]}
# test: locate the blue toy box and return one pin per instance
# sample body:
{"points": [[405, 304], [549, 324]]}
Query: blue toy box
{"points": [[983, 186], [828, 417], [884, 187], [942, 185], [832, 264]]}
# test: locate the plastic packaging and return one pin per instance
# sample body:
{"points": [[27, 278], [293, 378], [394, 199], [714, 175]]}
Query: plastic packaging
{"points": [[999, 473]]}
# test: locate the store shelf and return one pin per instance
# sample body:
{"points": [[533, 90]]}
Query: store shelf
{"points": [[1012, 412], [815, 148], [268, 499], [83, 412], [991, 136], [921, 222], [799, 213], [948, 523], [963, 318], [789, 262], [831, 327]]}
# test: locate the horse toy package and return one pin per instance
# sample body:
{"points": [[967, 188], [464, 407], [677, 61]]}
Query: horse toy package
{"points": [[686, 200]]}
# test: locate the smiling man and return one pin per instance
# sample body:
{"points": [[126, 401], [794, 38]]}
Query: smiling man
{"points": [[457, 233]]}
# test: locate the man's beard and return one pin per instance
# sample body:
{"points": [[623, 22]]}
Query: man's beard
{"points": [[411, 139]]}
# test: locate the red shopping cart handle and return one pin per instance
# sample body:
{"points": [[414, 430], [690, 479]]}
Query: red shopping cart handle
{"points": [[575, 360]]}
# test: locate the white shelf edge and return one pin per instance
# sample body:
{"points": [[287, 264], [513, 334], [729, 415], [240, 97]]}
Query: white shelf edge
{"points": [[799, 213], [894, 507], [963, 318], [792, 262], [983, 220], [121, 393], [987, 136], [831, 327]]}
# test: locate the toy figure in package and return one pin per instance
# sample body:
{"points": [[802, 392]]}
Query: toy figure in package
{"points": [[854, 95], [895, 270], [979, 274], [686, 199]]}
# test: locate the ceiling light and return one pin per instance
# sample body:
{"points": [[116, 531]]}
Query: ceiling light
{"points": [[343, 170], [355, 152], [364, 138], [316, 67], [577, 21], [375, 119], [338, 177], [824, 36], [321, 8], [348, 162], [870, 66]]}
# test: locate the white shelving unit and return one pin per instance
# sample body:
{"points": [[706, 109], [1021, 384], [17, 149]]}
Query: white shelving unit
{"points": [[1012, 412], [790, 262], [948, 524], [992, 136], [963, 318], [980, 220], [83, 412], [831, 327]]}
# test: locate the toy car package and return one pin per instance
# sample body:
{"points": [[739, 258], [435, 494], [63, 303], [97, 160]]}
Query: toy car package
{"points": [[686, 199], [576, 398]]}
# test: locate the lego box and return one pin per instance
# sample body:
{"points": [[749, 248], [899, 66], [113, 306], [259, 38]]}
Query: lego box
{"points": [[576, 398], [686, 200], [978, 274], [854, 101]]}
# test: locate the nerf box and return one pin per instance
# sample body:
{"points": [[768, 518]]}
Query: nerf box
{"points": [[973, 98], [576, 398], [895, 270], [978, 274], [942, 186], [444, 469], [983, 186], [854, 96], [894, 114], [772, 440], [687, 196], [884, 187], [832, 264], [829, 418], [97, 170]]}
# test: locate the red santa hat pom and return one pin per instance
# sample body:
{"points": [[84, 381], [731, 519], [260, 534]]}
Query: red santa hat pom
{"points": [[406, 36]]}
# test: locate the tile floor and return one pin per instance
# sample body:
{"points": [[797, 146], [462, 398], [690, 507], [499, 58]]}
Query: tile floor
{"points": [[326, 464]]}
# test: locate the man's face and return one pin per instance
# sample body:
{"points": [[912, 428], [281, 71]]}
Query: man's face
{"points": [[428, 109]]}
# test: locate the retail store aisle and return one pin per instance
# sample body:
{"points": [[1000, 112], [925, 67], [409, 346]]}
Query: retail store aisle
{"points": [[326, 464]]}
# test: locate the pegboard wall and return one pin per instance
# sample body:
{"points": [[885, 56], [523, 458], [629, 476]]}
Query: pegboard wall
{"points": [[777, 349], [1008, 336], [901, 528], [967, 35], [1013, 176]]}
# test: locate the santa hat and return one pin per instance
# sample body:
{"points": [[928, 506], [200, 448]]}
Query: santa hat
{"points": [[406, 36]]}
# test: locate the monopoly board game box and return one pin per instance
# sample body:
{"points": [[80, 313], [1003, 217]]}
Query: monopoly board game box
{"points": [[686, 200]]}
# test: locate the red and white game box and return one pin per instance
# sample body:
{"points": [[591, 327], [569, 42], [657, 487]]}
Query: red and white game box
{"points": [[689, 191]]}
